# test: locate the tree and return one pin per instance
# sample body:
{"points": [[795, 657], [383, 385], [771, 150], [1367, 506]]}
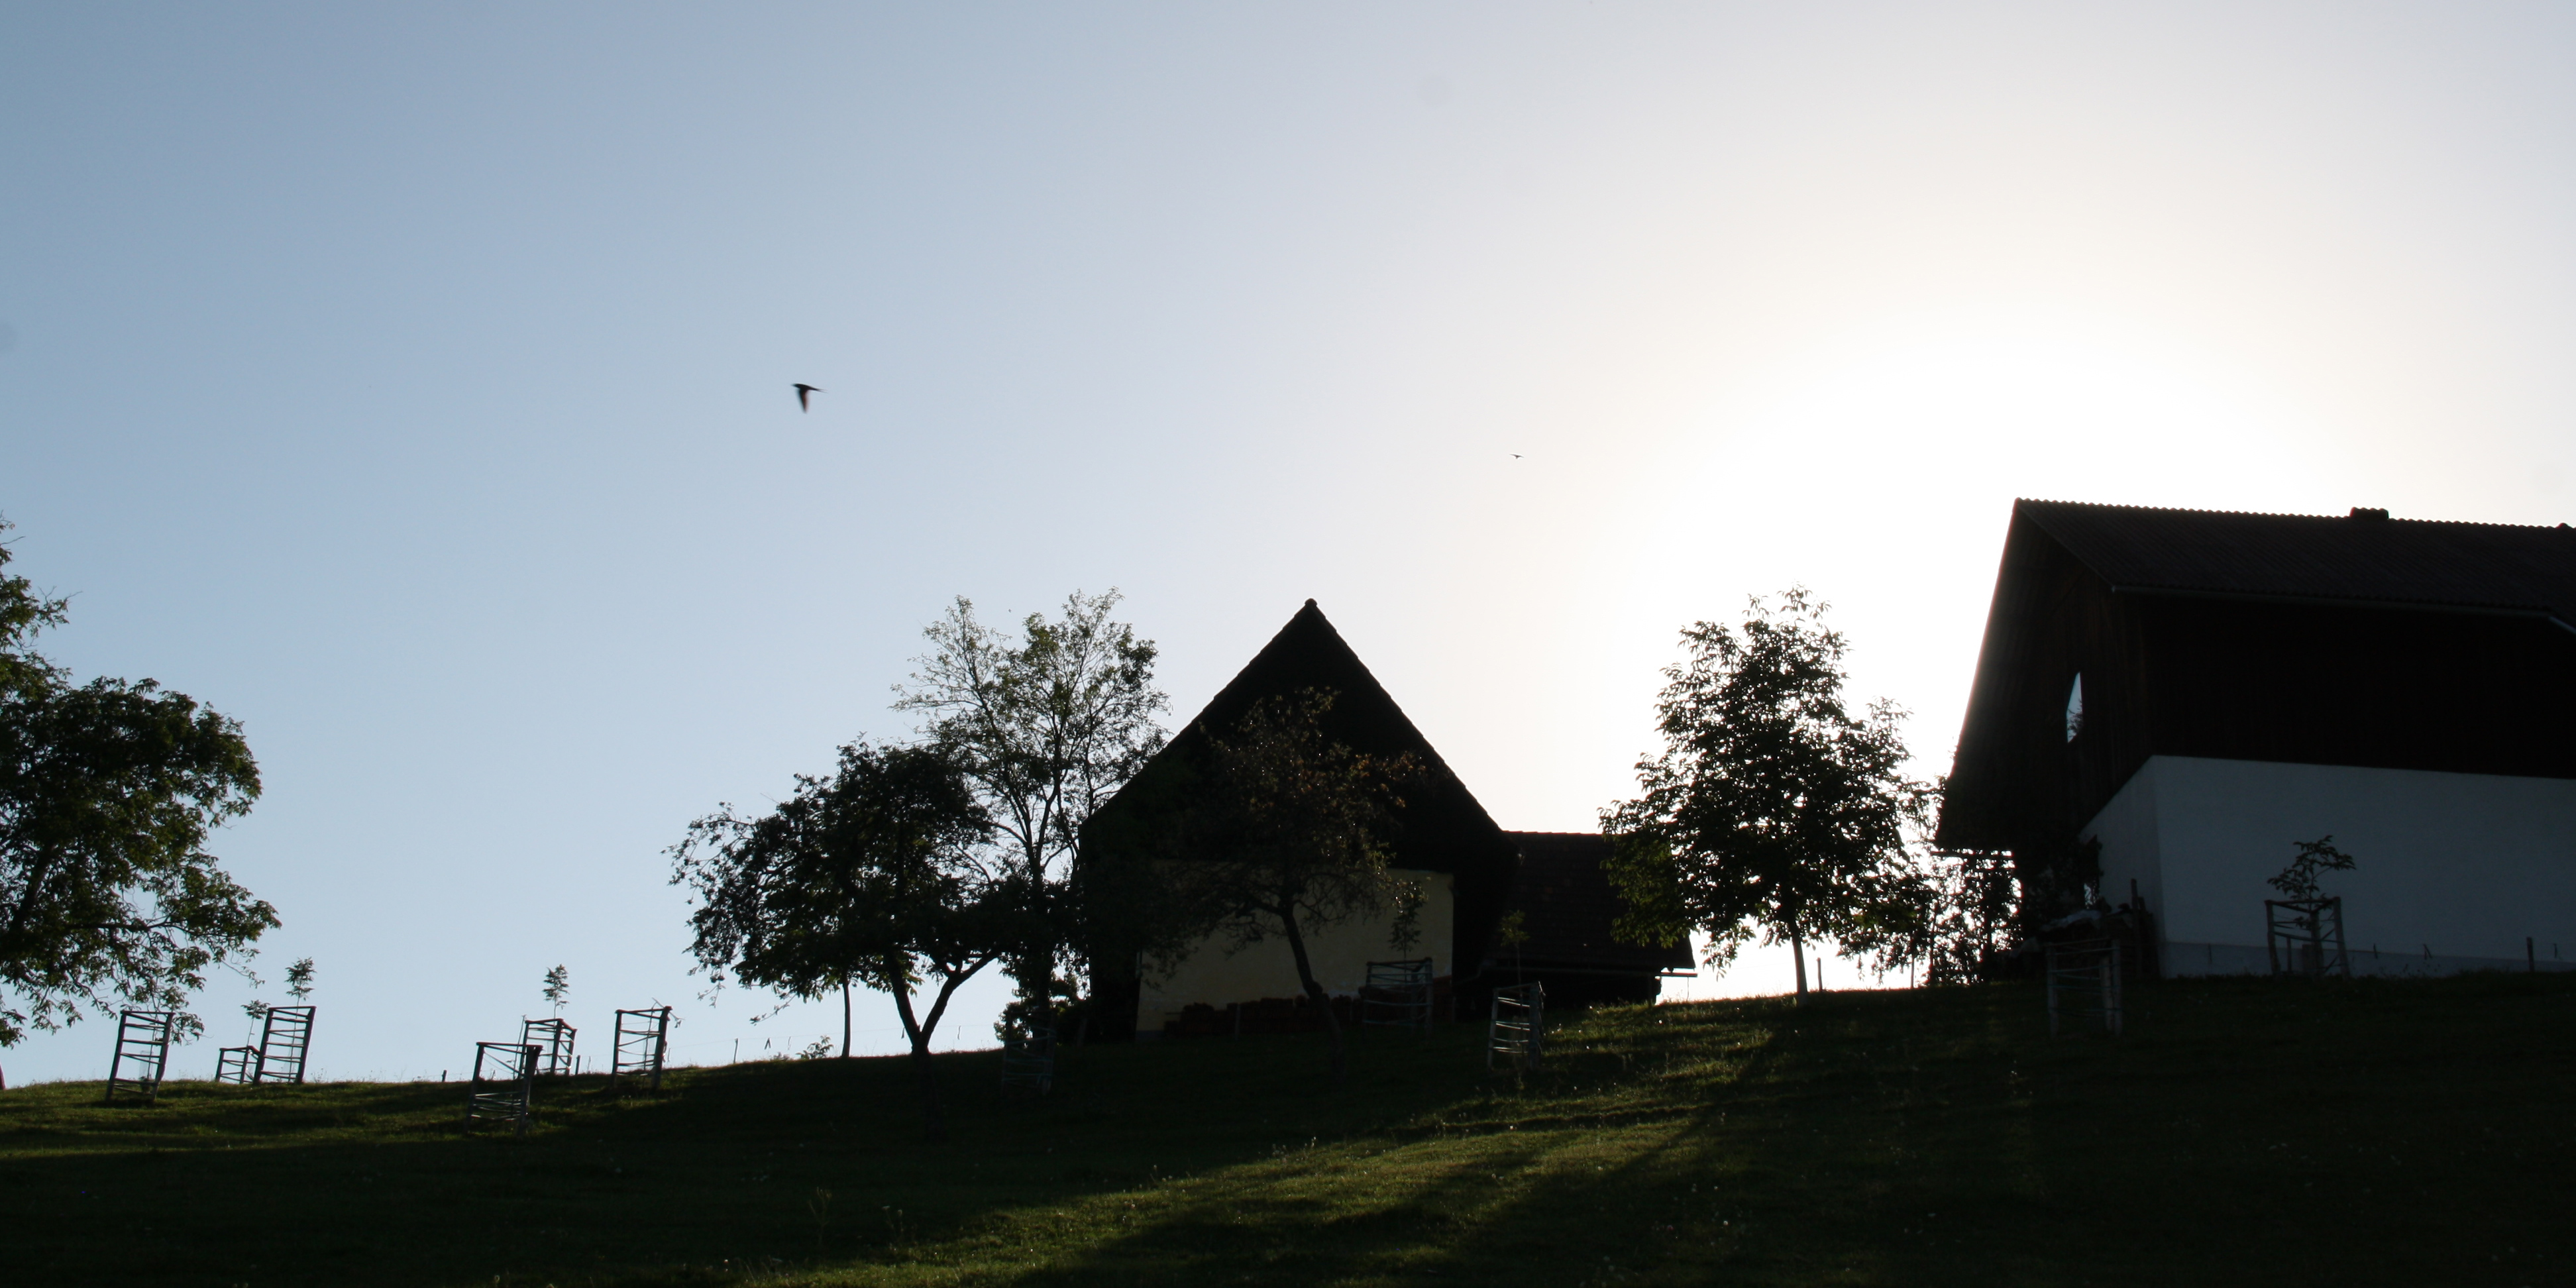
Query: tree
{"points": [[1047, 725], [107, 793], [299, 980], [872, 876], [1291, 839], [2299, 880], [1971, 906], [1771, 809], [558, 987]]}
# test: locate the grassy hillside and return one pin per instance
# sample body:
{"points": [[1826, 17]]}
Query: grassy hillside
{"points": [[2373, 1132]]}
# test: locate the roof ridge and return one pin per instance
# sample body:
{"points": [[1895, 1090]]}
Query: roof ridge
{"points": [[2020, 501]]}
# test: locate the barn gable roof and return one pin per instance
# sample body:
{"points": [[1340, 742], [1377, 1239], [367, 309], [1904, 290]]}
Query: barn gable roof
{"points": [[2251, 660], [2365, 557], [1441, 825], [1308, 653]]}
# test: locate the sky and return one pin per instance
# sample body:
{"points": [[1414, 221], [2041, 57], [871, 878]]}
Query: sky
{"points": [[412, 385]]}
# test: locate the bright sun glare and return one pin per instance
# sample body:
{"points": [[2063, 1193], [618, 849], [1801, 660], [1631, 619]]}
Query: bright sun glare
{"points": [[1928, 433]]}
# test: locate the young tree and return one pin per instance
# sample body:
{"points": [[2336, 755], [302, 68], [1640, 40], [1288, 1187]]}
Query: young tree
{"points": [[107, 792], [1972, 903], [1771, 809], [2299, 880], [1047, 724], [558, 987], [1291, 839], [299, 980], [871, 876]]}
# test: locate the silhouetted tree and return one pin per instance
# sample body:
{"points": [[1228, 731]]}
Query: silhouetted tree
{"points": [[871, 876], [1771, 809], [1971, 906], [107, 792], [2299, 880], [1047, 724], [299, 980], [1290, 838]]}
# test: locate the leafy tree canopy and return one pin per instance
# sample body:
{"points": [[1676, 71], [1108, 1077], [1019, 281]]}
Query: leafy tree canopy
{"points": [[107, 793], [873, 875], [1771, 809], [1046, 724]]}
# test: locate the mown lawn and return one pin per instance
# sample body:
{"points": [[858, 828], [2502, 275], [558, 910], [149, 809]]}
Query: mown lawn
{"points": [[2244, 1131]]}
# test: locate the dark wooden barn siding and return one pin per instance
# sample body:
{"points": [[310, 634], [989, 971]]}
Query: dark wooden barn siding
{"points": [[2388, 688], [2017, 777], [2242, 678]]}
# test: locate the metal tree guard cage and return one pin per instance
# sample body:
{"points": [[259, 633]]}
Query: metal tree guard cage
{"points": [[1398, 994], [553, 1040], [282, 1044], [2305, 937], [503, 1086], [643, 1038], [2084, 982], [1517, 1027], [1029, 1061], [143, 1043], [236, 1064]]}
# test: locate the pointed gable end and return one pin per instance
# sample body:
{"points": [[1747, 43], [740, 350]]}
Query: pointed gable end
{"points": [[1442, 828]]}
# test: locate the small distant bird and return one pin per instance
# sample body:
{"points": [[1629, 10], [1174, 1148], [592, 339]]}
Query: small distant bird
{"points": [[805, 396], [1516, 456]]}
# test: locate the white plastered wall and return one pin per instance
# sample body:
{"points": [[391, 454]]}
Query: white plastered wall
{"points": [[2453, 871], [1340, 955]]}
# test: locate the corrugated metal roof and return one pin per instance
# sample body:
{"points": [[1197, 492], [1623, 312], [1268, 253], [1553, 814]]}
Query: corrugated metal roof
{"points": [[2375, 560]]}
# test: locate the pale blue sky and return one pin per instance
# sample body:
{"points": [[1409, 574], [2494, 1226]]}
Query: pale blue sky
{"points": [[414, 386]]}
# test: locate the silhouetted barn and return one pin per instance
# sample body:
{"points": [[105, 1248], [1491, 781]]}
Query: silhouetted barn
{"points": [[2196, 692], [1473, 871], [1568, 911]]}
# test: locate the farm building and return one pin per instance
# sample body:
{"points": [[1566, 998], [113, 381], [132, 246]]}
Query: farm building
{"points": [[2167, 701], [1474, 874]]}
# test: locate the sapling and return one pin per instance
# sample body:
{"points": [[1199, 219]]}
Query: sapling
{"points": [[299, 980], [2299, 880], [558, 987], [2298, 884]]}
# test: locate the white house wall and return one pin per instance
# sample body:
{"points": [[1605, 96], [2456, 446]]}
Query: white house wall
{"points": [[1339, 954], [2453, 871]]}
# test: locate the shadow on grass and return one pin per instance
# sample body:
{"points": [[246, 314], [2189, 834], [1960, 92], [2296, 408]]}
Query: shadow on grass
{"points": [[2242, 1131], [716, 1179]]}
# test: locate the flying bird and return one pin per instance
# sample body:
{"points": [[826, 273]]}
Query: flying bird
{"points": [[805, 396]]}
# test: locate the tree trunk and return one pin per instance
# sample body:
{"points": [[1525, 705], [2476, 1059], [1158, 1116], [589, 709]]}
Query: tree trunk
{"points": [[933, 1126], [845, 1019], [1315, 992], [1798, 956], [1037, 969]]}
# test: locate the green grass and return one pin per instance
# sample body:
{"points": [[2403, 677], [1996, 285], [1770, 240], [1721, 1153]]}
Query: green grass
{"points": [[2245, 1131]]}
